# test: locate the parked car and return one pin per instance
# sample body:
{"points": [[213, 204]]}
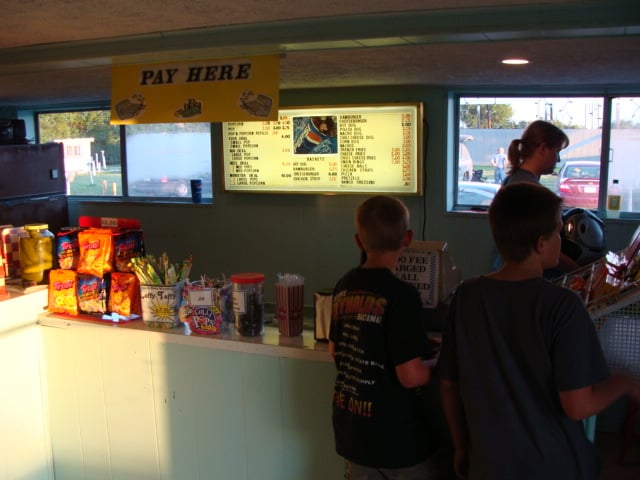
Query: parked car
{"points": [[476, 193], [161, 187], [465, 163], [579, 183]]}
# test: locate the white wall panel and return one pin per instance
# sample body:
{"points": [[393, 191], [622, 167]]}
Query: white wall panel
{"points": [[129, 404], [25, 451], [89, 398]]}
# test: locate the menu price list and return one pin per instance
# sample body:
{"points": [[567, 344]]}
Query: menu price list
{"points": [[333, 149]]}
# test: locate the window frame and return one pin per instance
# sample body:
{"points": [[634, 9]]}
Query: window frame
{"points": [[166, 199], [125, 196], [453, 206]]}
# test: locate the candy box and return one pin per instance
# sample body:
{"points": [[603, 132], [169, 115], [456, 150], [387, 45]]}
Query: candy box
{"points": [[161, 304], [207, 306]]}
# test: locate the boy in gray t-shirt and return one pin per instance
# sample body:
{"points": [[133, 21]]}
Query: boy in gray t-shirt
{"points": [[521, 364]]}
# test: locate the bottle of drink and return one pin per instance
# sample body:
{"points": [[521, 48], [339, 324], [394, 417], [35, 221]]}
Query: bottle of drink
{"points": [[614, 199]]}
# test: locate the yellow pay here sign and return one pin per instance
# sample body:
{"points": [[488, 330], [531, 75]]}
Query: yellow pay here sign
{"points": [[222, 90]]}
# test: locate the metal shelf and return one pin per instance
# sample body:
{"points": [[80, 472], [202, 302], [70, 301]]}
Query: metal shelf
{"points": [[604, 286]]}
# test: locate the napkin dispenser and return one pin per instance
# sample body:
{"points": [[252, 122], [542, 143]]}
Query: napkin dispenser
{"points": [[322, 300]]}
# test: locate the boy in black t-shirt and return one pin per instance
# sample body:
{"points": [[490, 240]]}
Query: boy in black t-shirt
{"points": [[380, 348]]}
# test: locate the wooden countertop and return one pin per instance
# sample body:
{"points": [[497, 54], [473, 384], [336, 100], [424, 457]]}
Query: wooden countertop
{"points": [[20, 308], [14, 290]]}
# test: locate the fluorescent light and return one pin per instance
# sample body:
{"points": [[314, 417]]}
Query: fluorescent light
{"points": [[515, 61]]}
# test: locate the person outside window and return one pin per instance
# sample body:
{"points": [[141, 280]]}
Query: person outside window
{"points": [[499, 161], [380, 351], [521, 365]]}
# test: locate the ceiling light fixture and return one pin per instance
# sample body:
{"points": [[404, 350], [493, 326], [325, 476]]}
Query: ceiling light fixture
{"points": [[515, 61]]}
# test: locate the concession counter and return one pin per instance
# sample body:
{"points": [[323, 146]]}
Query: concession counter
{"points": [[132, 401]]}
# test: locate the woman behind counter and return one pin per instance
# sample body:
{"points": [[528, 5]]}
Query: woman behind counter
{"points": [[535, 154]]}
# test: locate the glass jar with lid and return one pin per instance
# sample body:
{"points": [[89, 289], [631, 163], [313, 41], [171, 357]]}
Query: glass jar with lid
{"points": [[248, 303], [36, 253]]}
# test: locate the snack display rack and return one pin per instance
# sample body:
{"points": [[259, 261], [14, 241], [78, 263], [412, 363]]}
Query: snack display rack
{"points": [[610, 288], [609, 285], [624, 296]]}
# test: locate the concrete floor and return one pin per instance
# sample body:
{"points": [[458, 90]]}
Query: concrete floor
{"points": [[609, 447]]}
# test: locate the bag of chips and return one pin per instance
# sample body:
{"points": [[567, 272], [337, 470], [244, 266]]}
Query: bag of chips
{"points": [[127, 244], [124, 294], [62, 292], [92, 293], [96, 251], [68, 248]]}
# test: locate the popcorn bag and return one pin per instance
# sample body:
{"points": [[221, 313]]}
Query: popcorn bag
{"points": [[68, 248], [63, 297], [92, 293], [94, 275], [290, 304], [124, 294], [95, 251]]}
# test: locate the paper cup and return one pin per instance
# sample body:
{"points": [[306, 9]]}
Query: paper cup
{"points": [[196, 190], [161, 304]]}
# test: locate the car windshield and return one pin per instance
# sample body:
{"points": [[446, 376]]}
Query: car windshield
{"points": [[582, 171]]}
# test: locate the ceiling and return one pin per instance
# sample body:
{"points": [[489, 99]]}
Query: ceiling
{"points": [[60, 52]]}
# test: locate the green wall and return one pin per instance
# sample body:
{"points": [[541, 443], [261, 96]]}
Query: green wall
{"points": [[312, 235]]}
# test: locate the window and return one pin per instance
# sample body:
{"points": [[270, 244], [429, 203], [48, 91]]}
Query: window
{"points": [[162, 158], [623, 150], [91, 150], [487, 125], [159, 159]]}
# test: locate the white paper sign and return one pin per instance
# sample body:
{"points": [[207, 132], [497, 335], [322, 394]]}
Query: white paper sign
{"points": [[419, 265]]}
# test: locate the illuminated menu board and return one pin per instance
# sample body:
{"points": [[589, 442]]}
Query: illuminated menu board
{"points": [[332, 149]]}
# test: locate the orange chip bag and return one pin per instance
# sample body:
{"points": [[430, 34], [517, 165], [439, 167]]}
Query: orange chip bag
{"points": [[124, 295], [96, 251], [62, 292]]}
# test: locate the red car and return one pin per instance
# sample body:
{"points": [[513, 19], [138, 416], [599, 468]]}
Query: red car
{"points": [[579, 183]]}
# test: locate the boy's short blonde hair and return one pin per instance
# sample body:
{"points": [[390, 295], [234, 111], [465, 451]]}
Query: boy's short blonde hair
{"points": [[382, 222]]}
